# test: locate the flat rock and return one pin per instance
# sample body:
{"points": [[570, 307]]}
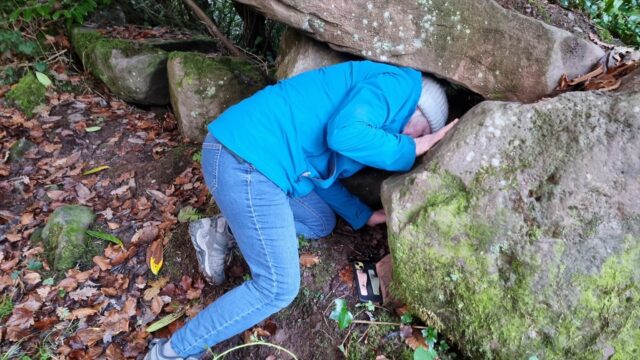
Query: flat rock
{"points": [[493, 51], [519, 235], [203, 87]]}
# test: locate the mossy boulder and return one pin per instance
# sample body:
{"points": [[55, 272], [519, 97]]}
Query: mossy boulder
{"points": [[27, 93], [65, 242], [133, 71], [519, 235], [495, 52], [202, 87]]}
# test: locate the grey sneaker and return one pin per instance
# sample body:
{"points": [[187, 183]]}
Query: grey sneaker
{"points": [[158, 351], [211, 238]]}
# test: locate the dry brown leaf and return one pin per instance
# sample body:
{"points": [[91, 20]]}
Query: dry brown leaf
{"points": [[13, 237], [9, 265], [32, 277], [83, 293], [156, 305], [155, 287], [83, 312], [26, 218], [103, 262], [89, 336], [145, 235], [308, 260], [68, 284]]}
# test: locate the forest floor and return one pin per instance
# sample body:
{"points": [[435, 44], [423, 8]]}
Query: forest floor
{"points": [[102, 309]]}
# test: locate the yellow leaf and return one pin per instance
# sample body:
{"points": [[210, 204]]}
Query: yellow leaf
{"points": [[95, 170], [155, 266], [154, 254]]}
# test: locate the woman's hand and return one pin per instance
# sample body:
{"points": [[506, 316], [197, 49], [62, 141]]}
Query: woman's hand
{"points": [[426, 142], [378, 217]]}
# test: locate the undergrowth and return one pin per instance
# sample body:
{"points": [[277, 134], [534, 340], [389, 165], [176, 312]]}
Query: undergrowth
{"points": [[619, 18]]}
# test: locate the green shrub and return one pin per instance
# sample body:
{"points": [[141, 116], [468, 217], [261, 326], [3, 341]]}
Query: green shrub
{"points": [[620, 18]]}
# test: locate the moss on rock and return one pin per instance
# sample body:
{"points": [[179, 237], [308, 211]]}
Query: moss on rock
{"points": [[27, 94], [66, 245]]}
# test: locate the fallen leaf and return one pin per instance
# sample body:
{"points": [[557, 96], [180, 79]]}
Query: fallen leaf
{"points": [[95, 170], [32, 278], [83, 312], [308, 260], [83, 293], [165, 321], [145, 235], [26, 218], [103, 262], [155, 255], [89, 336], [155, 287]]}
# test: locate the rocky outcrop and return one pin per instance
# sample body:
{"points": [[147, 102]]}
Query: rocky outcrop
{"points": [[493, 51], [299, 53], [520, 233], [203, 87], [135, 71], [65, 242]]}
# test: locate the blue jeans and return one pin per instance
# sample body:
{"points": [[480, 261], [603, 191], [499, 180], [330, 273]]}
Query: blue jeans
{"points": [[264, 222]]}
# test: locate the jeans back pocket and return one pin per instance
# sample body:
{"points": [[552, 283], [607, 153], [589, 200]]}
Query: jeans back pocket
{"points": [[210, 163]]}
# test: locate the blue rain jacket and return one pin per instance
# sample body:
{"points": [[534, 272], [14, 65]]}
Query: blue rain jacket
{"points": [[306, 132]]}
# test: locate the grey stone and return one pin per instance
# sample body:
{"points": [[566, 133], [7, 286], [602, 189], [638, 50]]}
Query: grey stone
{"points": [[203, 87], [299, 53], [519, 235], [495, 52], [66, 244]]}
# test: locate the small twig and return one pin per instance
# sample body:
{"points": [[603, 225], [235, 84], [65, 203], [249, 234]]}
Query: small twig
{"points": [[56, 55]]}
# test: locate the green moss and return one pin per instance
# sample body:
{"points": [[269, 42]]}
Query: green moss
{"points": [[6, 306], [444, 242], [66, 245], [27, 94]]}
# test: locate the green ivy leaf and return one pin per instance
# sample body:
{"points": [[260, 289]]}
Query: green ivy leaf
{"points": [[430, 336], [44, 79], [406, 318], [47, 281], [341, 314], [424, 354]]}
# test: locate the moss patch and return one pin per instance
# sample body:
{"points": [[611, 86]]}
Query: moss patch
{"points": [[66, 245], [27, 94]]}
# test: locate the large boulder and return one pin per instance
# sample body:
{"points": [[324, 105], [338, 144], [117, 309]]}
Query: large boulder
{"points": [[203, 87], [299, 53], [495, 52], [65, 242], [519, 235], [135, 71]]}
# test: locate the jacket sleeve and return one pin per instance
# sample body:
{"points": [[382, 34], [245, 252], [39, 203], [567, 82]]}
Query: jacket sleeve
{"points": [[355, 129], [345, 204]]}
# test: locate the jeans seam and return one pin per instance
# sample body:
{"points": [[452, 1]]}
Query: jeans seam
{"points": [[273, 274], [324, 225]]}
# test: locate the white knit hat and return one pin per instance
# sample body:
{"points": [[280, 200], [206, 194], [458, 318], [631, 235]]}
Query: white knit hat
{"points": [[433, 103]]}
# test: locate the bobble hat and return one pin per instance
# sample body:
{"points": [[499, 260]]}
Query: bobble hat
{"points": [[433, 103]]}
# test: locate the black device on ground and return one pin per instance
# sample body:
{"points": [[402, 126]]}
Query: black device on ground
{"points": [[367, 282]]}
